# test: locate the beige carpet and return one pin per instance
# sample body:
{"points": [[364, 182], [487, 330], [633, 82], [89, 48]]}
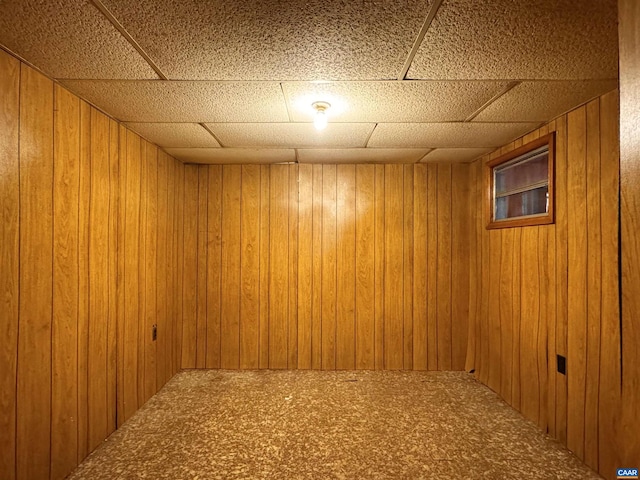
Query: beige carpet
{"points": [[322, 425]]}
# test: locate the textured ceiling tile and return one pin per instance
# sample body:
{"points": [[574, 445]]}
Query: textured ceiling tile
{"points": [[455, 154], [69, 39], [542, 101], [390, 101], [542, 39], [361, 155], [274, 39], [447, 135], [199, 102], [175, 134], [232, 155], [291, 135]]}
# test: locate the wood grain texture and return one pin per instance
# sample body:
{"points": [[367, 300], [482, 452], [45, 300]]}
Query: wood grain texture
{"points": [[629, 44], [316, 294], [202, 274], [190, 267], [214, 263], [64, 395], [420, 259], [250, 268], [329, 271], [264, 215], [345, 264], [230, 304], [279, 271], [9, 257], [557, 294], [365, 267], [36, 229], [407, 254], [305, 266]]}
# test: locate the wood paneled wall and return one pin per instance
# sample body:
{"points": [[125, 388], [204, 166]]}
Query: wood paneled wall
{"points": [[87, 251], [629, 41], [550, 290], [325, 266]]}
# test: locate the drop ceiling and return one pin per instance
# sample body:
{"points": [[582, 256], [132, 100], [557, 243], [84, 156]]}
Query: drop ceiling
{"points": [[408, 80]]}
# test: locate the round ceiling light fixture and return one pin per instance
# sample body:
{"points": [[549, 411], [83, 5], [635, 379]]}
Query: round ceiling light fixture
{"points": [[320, 118]]}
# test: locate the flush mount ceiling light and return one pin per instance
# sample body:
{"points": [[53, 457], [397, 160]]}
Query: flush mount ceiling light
{"points": [[320, 118]]}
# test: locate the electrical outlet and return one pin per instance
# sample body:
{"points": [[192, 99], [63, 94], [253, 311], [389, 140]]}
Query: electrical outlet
{"points": [[562, 364], [154, 333]]}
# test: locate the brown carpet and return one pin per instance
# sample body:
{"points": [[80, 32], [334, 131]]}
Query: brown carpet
{"points": [[321, 425]]}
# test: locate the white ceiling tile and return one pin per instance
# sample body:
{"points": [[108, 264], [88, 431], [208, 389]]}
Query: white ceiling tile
{"points": [[390, 101], [232, 155], [69, 39], [455, 154], [447, 135], [542, 101], [291, 135], [361, 155], [198, 102], [274, 39], [175, 134], [544, 39]]}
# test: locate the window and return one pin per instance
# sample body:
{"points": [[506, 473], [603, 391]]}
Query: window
{"points": [[521, 185]]}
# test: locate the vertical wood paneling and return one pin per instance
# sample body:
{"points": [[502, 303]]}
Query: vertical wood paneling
{"points": [[142, 274], [345, 264], [444, 267], [393, 270], [316, 295], [305, 266], [420, 262], [365, 267], [557, 288], [594, 283], [131, 206], [114, 275], [190, 266], [379, 249], [99, 280], [9, 258], [230, 304], [577, 306], [64, 395], [408, 267], [329, 272], [150, 275], [162, 267], [34, 339], [460, 239], [250, 267], [265, 264], [278, 271], [629, 25], [610, 438], [84, 278], [432, 267], [214, 264], [202, 285], [292, 318]]}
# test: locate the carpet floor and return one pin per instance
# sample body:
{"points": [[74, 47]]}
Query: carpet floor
{"points": [[212, 424]]}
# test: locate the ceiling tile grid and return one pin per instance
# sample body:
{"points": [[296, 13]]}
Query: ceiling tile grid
{"points": [[524, 40], [274, 39], [447, 135], [361, 155], [194, 102], [175, 134], [291, 135], [242, 75], [390, 101], [233, 155], [69, 39]]}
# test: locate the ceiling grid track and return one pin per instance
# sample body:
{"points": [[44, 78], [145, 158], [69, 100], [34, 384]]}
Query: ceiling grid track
{"points": [[123, 31], [421, 34], [504, 91], [204, 125]]}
